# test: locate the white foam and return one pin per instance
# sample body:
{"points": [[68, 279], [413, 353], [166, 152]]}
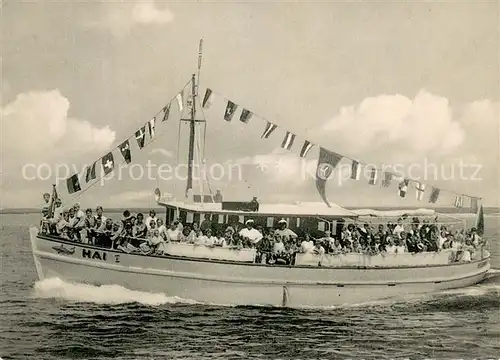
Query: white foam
{"points": [[106, 294]]}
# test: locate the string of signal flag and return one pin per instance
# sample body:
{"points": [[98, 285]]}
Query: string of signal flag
{"points": [[326, 163], [329, 159]]}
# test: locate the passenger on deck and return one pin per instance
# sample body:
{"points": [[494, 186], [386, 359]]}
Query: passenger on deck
{"points": [[173, 233], [390, 248], [57, 216], [210, 240], [46, 203], [100, 220], [318, 249], [201, 239], [475, 238], [140, 229], [279, 246], [127, 218], [152, 216], [307, 245], [399, 228], [205, 223], [468, 251], [400, 247], [162, 229], [250, 234], [63, 227], [221, 241], [89, 226], [336, 248]]}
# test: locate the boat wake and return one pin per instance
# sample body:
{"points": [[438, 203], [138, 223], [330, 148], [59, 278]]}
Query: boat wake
{"points": [[114, 294], [105, 294]]}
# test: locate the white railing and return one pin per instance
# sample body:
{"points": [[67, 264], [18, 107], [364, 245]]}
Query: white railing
{"points": [[379, 260], [204, 252]]}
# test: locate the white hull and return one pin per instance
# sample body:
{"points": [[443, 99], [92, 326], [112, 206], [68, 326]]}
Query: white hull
{"points": [[217, 282]]}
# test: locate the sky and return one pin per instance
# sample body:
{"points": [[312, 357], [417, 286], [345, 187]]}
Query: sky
{"points": [[413, 84]]}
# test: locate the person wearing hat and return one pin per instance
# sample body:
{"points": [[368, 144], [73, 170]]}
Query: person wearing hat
{"points": [[250, 234], [284, 232]]}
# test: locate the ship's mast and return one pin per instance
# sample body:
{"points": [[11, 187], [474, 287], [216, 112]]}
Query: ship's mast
{"points": [[192, 122]]}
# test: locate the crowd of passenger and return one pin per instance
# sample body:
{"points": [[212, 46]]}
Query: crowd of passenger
{"points": [[137, 233]]}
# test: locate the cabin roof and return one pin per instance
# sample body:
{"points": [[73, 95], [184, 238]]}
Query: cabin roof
{"points": [[301, 209]]}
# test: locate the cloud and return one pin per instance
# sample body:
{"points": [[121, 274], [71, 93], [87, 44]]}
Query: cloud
{"points": [[394, 130], [120, 18], [412, 127], [140, 196], [40, 142], [164, 152], [36, 125], [148, 13]]}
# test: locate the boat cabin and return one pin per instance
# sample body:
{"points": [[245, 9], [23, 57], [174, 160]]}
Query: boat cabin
{"points": [[311, 217]]}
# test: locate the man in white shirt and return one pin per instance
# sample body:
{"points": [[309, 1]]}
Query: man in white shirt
{"points": [[250, 234], [284, 232]]}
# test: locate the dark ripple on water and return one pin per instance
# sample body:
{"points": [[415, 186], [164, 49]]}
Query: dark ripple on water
{"points": [[461, 324]]}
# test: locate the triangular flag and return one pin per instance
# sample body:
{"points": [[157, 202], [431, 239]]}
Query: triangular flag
{"points": [[420, 191], [403, 187], [125, 150], [327, 161], [387, 179], [355, 170], [180, 100], [73, 184], [207, 99], [90, 173], [270, 127], [373, 176], [458, 202], [474, 204], [305, 148], [166, 112], [151, 127], [230, 109], [140, 136], [480, 221], [434, 195], [288, 141], [245, 116], [108, 163]]}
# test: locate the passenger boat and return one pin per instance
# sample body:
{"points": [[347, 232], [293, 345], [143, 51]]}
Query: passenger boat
{"points": [[234, 276]]}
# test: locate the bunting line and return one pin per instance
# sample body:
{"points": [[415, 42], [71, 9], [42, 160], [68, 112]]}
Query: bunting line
{"points": [[107, 161], [355, 170]]}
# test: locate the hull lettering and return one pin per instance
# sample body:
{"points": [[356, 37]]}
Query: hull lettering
{"points": [[94, 254]]}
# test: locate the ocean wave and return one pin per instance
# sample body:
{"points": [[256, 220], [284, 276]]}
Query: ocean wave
{"points": [[105, 294]]}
